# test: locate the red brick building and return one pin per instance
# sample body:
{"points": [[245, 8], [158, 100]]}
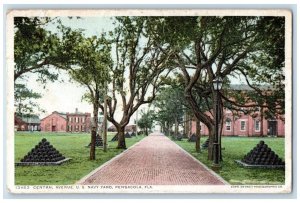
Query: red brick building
{"points": [[246, 125], [78, 122], [66, 122], [242, 124], [55, 122]]}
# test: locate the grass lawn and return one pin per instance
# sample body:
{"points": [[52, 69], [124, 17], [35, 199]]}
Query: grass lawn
{"points": [[235, 149], [71, 145]]}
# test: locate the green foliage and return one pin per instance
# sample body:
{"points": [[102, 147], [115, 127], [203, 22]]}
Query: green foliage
{"points": [[170, 103], [35, 48], [70, 145], [147, 119], [91, 61], [231, 46], [23, 101]]}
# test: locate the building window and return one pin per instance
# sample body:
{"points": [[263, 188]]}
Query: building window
{"points": [[82, 119], [82, 128], [257, 125], [228, 124], [76, 128], [70, 119], [243, 125]]}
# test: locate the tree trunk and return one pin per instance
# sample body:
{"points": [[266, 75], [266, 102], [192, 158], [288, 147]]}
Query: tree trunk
{"points": [[105, 122], [210, 144], [198, 135], [94, 131], [176, 128], [185, 134], [261, 122], [121, 138]]}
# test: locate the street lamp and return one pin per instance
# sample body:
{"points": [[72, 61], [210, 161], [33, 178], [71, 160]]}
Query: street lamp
{"points": [[217, 85]]}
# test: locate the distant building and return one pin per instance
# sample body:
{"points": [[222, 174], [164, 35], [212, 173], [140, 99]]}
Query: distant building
{"points": [[78, 122], [66, 122], [55, 122], [246, 125], [242, 124], [27, 123]]}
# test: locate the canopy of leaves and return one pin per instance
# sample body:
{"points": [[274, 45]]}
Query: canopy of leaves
{"points": [[23, 101], [34, 48], [229, 47], [91, 60], [147, 119], [170, 104]]}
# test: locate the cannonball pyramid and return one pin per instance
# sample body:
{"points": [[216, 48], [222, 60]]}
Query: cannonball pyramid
{"points": [[99, 141], [127, 135], [133, 134], [179, 137], [115, 138], [205, 144], [193, 138], [43, 154], [262, 156]]}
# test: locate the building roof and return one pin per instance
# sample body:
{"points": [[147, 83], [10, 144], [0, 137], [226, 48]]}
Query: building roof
{"points": [[78, 113], [31, 119], [59, 113], [62, 114]]}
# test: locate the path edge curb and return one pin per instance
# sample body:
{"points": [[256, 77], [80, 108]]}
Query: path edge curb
{"points": [[82, 180], [202, 164]]}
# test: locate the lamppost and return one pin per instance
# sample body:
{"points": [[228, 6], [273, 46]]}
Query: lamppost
{"points": [[217, 85]]}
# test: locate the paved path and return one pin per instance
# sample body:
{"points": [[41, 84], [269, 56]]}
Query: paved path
{"points": [[155, 160]]}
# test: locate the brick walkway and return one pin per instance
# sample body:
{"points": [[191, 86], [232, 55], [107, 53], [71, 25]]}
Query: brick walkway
{"points": [[155, 160]]}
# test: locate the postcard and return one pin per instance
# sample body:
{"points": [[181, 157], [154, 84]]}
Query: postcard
{"points": [[149, 101]]}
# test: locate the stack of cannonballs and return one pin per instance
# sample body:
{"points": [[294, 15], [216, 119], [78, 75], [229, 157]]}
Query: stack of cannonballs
{"points": [[43, 154], [205, 144], [115, 138], [127, 135], [193, 138], [179, 137], [263, 156], [133, 134], [140, 132], [99, 141]]}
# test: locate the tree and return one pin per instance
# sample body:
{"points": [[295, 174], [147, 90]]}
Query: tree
{"points": [[146, 121], [208, 47], [35, 48], [138, 71], [23, 101], [92, 61], [170, 107], [36, 51]]}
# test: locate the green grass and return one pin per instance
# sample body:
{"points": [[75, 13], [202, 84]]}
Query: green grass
{"points": [[71, 145], [235, 149]]}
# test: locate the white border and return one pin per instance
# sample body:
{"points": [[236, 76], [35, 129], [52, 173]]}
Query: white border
{"points": [[151, 12]]}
